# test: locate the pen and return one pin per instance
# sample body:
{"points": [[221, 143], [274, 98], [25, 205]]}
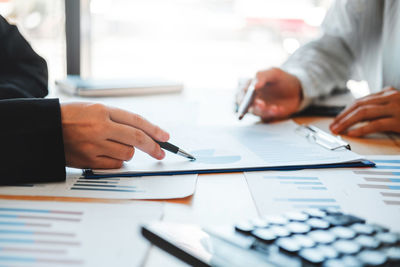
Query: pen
{"points": [[174, 149], [247, 99]]}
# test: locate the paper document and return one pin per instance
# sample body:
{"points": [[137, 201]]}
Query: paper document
{"points": [[146, 187], [254, 147], [372, 193], [37, 233]]}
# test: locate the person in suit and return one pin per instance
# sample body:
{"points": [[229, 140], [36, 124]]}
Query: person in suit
{"points": [[40, 137], [360, 40]]}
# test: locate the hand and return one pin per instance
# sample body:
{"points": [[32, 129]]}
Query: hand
{"points": [[380, 111], [97, 136], [278, 95]]}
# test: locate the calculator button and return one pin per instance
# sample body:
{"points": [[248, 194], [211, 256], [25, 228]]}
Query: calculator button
{"points": [[367, 241], [346, 247], [318, 223], [296, 216], [343, 232], [298, 227], [372, 258], [387, 238], [264, 234], [288, 244], [280, 231], [276, 219], [379, 228], [244, 227], [333, 211], [365, 229], [322, 237], [393, 254], [328, 251], [351, 261], [259, 223], [315, 213], [342, 220], [312, 255], [304, 241]]}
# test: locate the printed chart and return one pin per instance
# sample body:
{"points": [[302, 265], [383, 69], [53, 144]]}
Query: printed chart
{"points": [[373, 193], [38, 233], [144, 187]]}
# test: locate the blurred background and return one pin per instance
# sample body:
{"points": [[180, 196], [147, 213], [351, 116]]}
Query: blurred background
{"points": [[204, 43]]}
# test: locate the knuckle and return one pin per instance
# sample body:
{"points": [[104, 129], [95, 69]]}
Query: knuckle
{"points": [[139, 137], [98, 109], [137, 119]]}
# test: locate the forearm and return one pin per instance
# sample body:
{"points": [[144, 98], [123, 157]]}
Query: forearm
{"points": [[31, 141], [321, 66]]}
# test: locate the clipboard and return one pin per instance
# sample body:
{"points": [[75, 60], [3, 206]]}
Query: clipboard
{"points": [[278, 146], [322, 138]]}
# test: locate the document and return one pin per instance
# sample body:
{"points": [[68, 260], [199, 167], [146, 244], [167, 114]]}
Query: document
{"points": [[37, 233], [254, 147], [372, 193], [144, 187]]}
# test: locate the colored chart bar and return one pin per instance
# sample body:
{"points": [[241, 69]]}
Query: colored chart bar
{"points": [[380, 186], [305, 183], [387, 167], [34, 241], [307, 199], [317, 206], [291, 178], [39, 217], [392, 202], [38, 260], [386, 161], [385, 194], [377, 173], [103, 189], [32, 250], [41, 211], [12, 223], [388, 180], [96, 182], [101, 185], [312, 188], [24, 232]]}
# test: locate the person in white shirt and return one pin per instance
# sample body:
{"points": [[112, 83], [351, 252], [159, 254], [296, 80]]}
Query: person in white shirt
{"points": [[360, 40]]}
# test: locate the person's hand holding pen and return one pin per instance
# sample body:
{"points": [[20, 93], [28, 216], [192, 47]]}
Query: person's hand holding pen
{"points": [[277, 95], [100, 137]]}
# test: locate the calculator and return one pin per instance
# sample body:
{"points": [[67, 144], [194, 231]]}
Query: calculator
{"points": [[311, 237]]}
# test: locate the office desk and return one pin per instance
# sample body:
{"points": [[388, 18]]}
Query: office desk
{"points": [[219, 198]]}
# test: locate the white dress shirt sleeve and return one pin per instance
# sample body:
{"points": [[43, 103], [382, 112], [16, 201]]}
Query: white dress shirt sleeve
{"points": [[327, 62]]}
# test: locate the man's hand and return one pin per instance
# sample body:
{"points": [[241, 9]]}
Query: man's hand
{"points": [[277, 95], [96, 136], [380, 112]]}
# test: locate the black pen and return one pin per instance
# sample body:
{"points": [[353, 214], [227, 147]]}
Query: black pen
{"points": [[174, 149]]}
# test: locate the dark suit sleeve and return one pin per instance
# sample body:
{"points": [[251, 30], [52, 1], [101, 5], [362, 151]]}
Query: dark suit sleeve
{"points": [[31, 142]]}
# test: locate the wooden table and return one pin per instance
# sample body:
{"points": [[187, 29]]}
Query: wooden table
{"points": [[219, 198]]}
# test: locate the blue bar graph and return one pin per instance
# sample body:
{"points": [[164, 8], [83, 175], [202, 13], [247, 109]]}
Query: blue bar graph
{"points": [[377, 173], [304, 183], [307, 199], [312, 188], [387, 167], [103, 189], [386, 161], [291, 178]]}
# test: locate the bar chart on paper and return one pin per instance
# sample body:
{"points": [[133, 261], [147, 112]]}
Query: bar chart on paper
{"points": [[155, 187], [373, 193], [67, 234]]}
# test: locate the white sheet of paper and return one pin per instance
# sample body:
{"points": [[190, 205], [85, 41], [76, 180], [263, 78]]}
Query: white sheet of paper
{"points": [[144, 187], [255, 146], [372, 193], [38, 233]]}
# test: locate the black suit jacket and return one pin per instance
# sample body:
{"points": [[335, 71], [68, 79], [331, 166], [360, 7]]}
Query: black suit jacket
{"points": [[31, 143]]}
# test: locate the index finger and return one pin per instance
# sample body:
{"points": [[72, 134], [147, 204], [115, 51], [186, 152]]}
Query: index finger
{"points": [[124, 117]]}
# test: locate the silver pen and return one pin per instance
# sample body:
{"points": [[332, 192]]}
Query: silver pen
{"points": [[174, 149], [247, 99]]}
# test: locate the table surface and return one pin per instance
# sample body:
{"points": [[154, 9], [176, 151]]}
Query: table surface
{"points": [[219, 198]]}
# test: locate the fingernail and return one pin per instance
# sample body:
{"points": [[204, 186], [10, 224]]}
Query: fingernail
{"points": [[161, 155]]}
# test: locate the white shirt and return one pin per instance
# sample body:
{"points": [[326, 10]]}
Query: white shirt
{"points": [[360, 40]]}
